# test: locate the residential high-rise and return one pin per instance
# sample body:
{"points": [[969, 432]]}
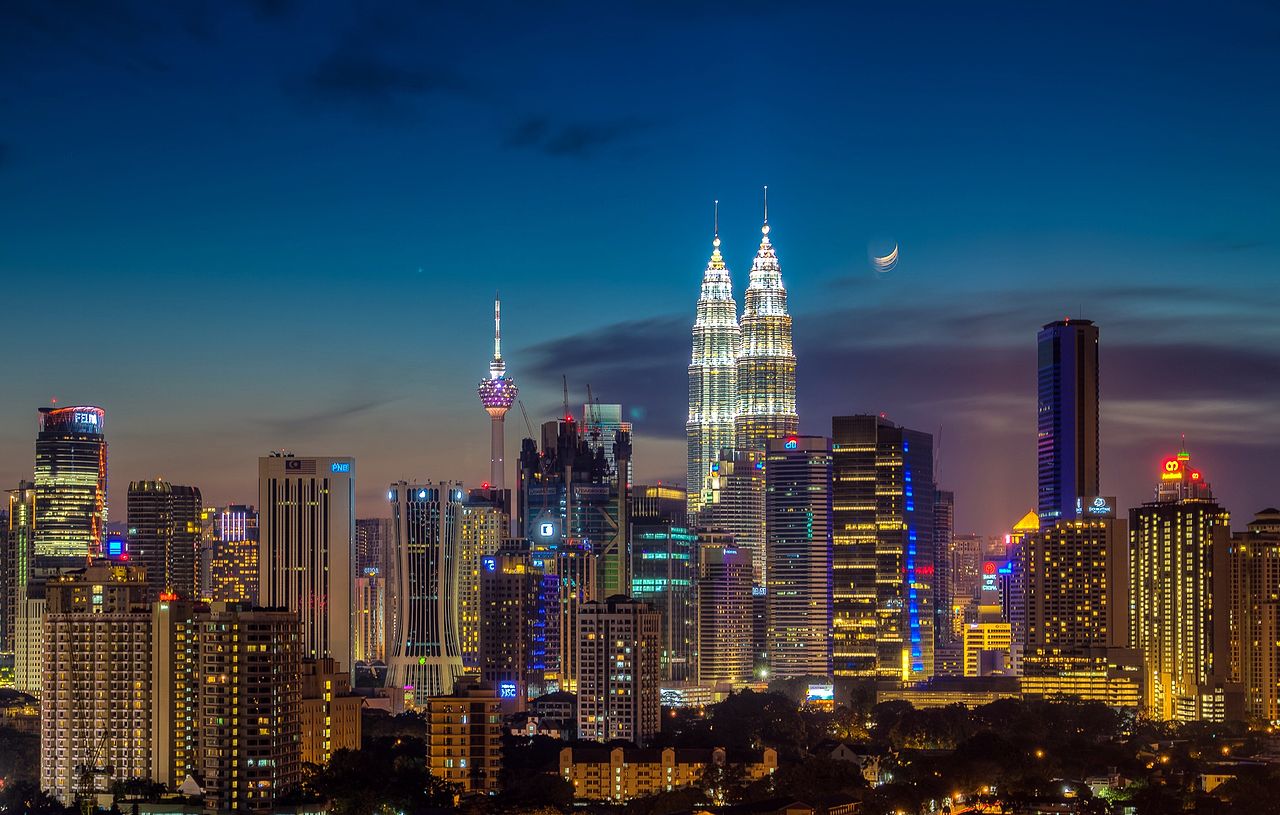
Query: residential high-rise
{"points": [[233, 566], [95, 709], [664, 567], [798, 545], [618, 683], [464, 738], [330, 712], [250, 728], [18, 533], [883, 568], [713, 376], [497, 394], [423, 639], [71, 482], [373, 540], [369, 608], [306, 547], [484, 528], [1077, 588], [1067, 416], [513, 623], [1254, 622], [766, 365], [1180, 597], [175, 691], [164, 535], [724, 616]]}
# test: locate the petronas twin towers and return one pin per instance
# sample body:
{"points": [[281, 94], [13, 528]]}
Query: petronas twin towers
{"points": [[742, 378]]}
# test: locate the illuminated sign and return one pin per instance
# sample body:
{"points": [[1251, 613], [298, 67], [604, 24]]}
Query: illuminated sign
{"points": [[791, 444], [821, 693], [1172, 470], [85, 417], [546, 529], [1099, 506], [168, 596], [506, 690], [1195, 475], [989, 568], [490, 564], [115, 546], [340, 467]]}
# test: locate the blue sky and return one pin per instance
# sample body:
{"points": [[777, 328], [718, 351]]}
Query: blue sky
{"points": [[246, 226]]}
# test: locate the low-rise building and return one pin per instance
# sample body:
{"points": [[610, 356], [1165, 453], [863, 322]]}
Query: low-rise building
{"points": [[619, 774], [464, 738], [330, 713]]}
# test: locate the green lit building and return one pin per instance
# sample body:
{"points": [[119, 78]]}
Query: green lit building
{"points": [[664, 565]]}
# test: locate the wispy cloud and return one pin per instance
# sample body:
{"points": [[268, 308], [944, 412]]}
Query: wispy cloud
{"points": [[572, 139]]}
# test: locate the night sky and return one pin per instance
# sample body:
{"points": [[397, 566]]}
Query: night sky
{"points": [[250, 226]]}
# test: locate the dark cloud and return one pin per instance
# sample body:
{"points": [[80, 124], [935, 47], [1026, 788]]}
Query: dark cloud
{"points": [[576, 140], [965, 371], [320, 420]]}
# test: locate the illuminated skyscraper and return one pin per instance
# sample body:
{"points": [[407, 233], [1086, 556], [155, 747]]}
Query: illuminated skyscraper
{"points": [[798, 545], [497, 394], [18, 533], [1180, 596], [713, 375], [233, 568], [735, 504], [664, 566], [513, 623], [724, 616], [766, 366], [71, 482], [424, 641], [1067, 416], [306, 547], [883, 554], [1254, 576], [600, 426], [373, 539], [369, 606], [484, 527], [164, 535]]}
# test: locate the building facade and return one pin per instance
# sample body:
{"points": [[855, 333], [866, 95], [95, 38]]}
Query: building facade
{"points": [[1254, 622], [369, 608], [618, 670], [724, 612], [483, 529], [664, 567], [619, 774], [165, 534], [513, 616], [1180, 596], [464, 738], [306, 547], [798, 545], [329, 713], [713, 377], [883, 569], [71, 482], [424, 636], [766, 364], [1066, 416], [233, 565]]}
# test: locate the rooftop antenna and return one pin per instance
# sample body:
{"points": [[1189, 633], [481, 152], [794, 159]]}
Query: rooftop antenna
{"points": [[716, 209], [564, 380]]}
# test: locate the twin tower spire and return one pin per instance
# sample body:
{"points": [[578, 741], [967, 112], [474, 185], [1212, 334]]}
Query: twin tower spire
{"points": [[742, 377]]}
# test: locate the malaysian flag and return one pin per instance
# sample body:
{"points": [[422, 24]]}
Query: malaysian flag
{"points": [[300, 466]]}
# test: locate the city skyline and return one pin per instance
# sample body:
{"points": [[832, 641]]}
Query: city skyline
{"points": [[1038, 197]]}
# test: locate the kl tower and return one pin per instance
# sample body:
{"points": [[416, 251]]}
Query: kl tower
{"points": [[497, 394]]}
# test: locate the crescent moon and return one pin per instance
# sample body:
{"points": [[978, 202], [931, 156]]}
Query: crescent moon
{"points": [[888, 262]]}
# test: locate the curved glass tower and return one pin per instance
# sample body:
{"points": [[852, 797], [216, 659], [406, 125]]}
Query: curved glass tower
{"points": [[71, 482], [766, 362], [712, 375]]}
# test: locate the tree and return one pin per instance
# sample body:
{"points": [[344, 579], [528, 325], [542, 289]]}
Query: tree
{"points": [[27, 798]]}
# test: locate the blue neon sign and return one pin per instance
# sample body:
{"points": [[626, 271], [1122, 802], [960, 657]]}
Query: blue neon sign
{"points": [[340, 467]]}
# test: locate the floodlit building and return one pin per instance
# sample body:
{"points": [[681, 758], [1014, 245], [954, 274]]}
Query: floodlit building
{"points": [[306, 547], [464, 738], [71, 482], [618, 670], [164, 536], [798, 545], [1254, 622], [95, 708], [1180, 595], [369, 599], [724, 616], [713, 377], [766, 364], [883, 570]]}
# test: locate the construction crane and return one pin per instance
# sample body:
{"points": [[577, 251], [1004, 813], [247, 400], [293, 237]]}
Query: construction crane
{"points": [[87, 776], [527, 425]]}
